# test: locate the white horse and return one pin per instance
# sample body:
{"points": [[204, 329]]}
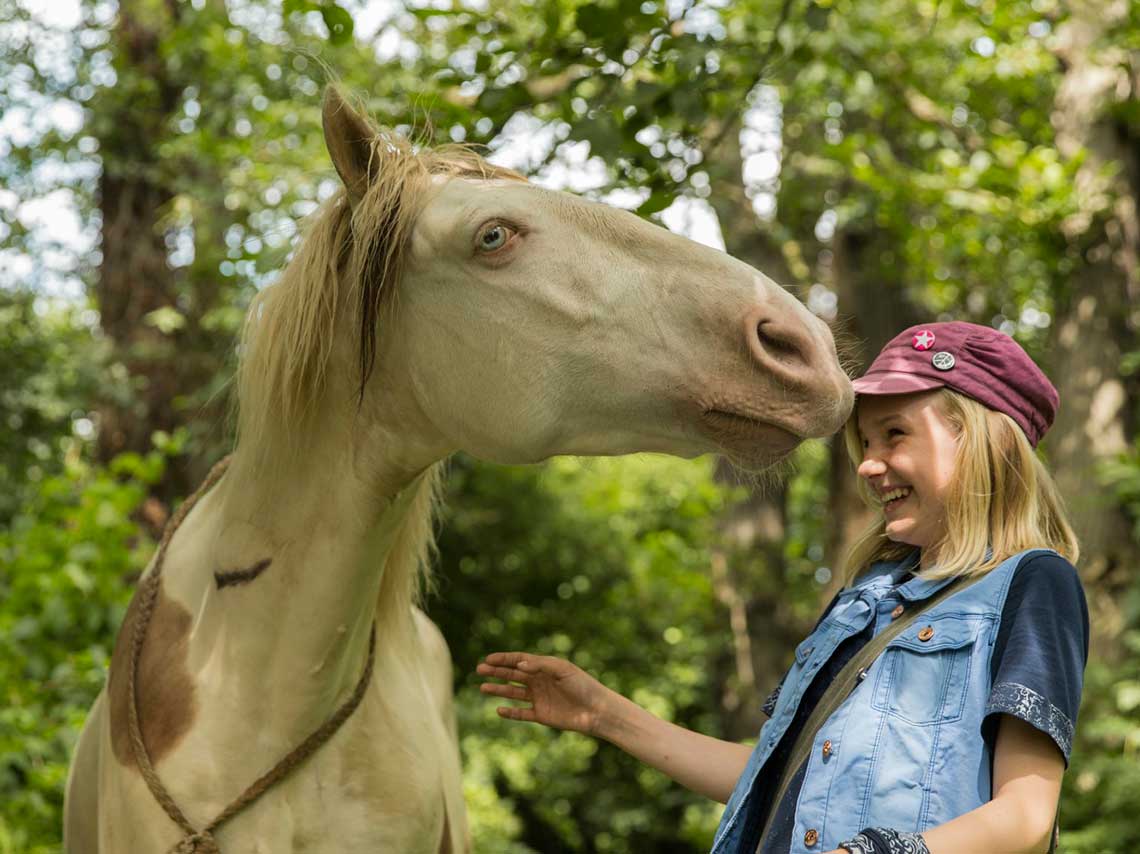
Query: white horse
{"points": [[437, 303]]}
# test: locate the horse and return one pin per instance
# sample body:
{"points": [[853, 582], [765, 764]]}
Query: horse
{"points": [[435, 303]]}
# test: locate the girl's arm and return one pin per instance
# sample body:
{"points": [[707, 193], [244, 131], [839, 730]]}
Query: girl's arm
{"points": [[1027, 785], [702, 764], [1019, 820], [564, 696]]}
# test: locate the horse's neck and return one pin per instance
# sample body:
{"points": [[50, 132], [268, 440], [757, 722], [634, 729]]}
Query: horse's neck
{"points": [[281, 579]]}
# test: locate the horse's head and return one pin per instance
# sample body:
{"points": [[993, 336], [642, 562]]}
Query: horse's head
{"points": [[516, 322]]}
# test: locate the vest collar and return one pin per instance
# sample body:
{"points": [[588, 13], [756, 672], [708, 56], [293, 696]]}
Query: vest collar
{"points": [[884, 575], [918, 588]]}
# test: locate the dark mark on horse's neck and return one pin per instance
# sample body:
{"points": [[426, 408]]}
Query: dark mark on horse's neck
{"points": [[241, 576]]}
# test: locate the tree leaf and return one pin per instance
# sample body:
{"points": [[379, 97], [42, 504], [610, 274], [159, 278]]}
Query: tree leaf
{"points": [[339, 22]]}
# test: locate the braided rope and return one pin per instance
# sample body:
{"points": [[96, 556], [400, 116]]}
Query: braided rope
{"points": [[202, 841]]}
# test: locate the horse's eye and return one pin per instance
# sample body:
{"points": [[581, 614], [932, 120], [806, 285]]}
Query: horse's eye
{"points": [[494, 237]]}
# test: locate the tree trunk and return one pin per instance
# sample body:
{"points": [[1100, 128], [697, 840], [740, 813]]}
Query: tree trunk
{"points": [[1097, 319], [149, 365]]}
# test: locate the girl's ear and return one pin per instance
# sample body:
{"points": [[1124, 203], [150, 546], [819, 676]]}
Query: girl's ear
{"points": [[348, 138]]}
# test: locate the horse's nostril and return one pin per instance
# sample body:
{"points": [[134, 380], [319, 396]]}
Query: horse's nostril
{"points": [[781, 345]]}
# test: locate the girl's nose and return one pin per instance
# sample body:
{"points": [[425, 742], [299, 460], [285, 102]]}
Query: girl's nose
{"points": [[870, 467]]}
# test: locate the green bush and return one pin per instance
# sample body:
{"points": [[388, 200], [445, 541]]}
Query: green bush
{"points": [[68, 561], [603, 562]]}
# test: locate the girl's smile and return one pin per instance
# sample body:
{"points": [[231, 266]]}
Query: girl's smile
{"points": [[893, 499], [909, 449]]}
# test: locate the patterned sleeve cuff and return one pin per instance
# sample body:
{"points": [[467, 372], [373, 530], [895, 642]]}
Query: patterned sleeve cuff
{"points": [[1010, 698], [882, 840], [769, 705], [860, 843]]}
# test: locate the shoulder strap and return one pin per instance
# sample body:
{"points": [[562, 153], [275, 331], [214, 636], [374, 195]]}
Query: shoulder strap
{"points": [[846, 682]]}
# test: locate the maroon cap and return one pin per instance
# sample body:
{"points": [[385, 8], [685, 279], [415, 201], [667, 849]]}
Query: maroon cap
{"points": [[977, 361]]}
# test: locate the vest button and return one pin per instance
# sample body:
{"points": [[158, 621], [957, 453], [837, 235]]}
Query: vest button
{"points": [[827, 748], [811, 838], [926, 634], [897, 612], [861, 675]]}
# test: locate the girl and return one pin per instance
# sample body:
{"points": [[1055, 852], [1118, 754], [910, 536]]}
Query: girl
{"points": [[949, 734]]}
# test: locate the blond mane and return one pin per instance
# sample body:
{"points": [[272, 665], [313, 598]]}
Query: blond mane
{"points": [[343, 275]]}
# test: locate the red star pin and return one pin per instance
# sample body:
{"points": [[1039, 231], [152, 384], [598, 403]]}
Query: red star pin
{"points": [[923, 339]]}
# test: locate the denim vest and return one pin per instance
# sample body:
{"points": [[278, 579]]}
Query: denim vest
{"points": [[906, 750]]}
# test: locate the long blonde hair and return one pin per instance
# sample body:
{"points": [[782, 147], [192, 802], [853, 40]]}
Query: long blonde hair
{"points": [[1001, 498]]}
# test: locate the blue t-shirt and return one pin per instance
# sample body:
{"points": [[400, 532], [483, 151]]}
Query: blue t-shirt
{"points": [[1037, 670]]}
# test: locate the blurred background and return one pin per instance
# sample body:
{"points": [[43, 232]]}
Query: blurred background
{"points": [[891, 162]]}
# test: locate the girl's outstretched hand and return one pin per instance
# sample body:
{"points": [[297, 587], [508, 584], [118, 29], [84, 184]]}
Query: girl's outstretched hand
{"points": [[559, 694]]}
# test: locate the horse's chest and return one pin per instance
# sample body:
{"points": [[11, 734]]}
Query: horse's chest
{"points": [[382, 784], [352, 803], [379, 785]]}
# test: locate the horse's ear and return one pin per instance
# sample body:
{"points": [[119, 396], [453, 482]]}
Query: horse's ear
{"points": [[348, 138]]}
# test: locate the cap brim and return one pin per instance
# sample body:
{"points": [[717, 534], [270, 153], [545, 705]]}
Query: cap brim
{"points": [[890, 382]]}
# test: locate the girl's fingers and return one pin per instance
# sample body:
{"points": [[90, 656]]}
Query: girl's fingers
{"points": [[516, 713], [511, 692], [505, 659], [510, 674], [521, 660]]}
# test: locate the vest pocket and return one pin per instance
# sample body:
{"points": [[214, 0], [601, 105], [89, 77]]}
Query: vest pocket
{"points": [[923, 673]]}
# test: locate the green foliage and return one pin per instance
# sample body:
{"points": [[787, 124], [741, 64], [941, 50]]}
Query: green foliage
{"points": [[337, 19], [1099, 801], [1122, 476], [603, 562], [49, 365], [68, 562]]}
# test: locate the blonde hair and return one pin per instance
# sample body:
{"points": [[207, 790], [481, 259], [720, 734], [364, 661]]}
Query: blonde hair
{"points": [[1001, 498]]}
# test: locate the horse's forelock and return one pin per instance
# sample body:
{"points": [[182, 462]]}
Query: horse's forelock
{"points": [[383, 220], [347, 266]]}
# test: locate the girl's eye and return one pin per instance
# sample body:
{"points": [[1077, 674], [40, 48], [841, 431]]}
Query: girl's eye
{"points": [[893, 431], [494, 237]]}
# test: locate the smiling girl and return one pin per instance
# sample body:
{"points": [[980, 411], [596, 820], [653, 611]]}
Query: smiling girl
{"points": [[932, 707]]}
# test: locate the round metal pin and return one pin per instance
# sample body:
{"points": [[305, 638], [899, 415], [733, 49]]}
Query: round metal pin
{"points": [[942, 360]]}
